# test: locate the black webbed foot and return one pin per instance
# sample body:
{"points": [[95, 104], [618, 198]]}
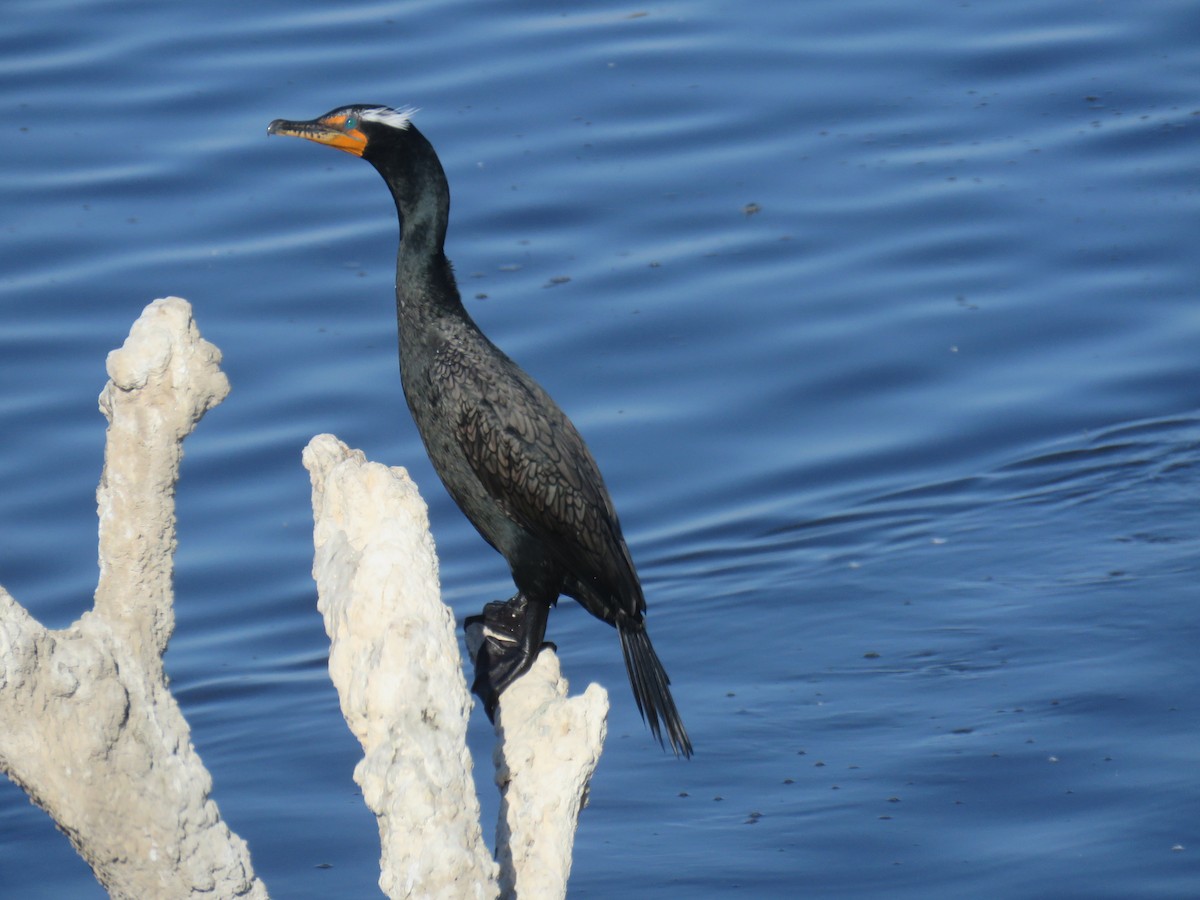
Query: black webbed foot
{"points": [[512, 632]]}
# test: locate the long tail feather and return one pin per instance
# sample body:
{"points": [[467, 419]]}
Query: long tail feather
{"points": [[651, 688]]}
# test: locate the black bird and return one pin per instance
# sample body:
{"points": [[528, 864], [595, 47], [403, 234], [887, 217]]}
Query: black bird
{"points": [[509, 457]]}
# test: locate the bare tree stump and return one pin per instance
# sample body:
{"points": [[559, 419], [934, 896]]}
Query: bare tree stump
{"points": [[88, 726], [377, 579]]}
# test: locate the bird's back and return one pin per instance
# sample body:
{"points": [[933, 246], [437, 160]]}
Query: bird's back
{"points": [[515, 464]]}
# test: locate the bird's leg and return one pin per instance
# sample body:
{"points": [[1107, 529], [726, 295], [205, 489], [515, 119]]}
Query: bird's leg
{"points": [[512, 636]]}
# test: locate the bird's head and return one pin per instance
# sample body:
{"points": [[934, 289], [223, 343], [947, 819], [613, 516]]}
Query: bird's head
{"points": [[386, 138], [362, 129]]}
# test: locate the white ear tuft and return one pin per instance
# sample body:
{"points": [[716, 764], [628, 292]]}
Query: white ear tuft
{"points": [[384, 115]]}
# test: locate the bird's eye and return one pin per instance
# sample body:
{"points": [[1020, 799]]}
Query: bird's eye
{"points": [[351, 122]]}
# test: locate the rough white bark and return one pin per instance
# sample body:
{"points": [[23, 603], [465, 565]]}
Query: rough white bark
{"points": [[395, 664], [395, 661], [547, 749], [89, 729], [88, 726]]}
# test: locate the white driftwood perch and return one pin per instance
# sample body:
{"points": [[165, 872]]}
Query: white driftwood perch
{"points": [[89, 729], [395, 661], [547, 749], [88, 726]]}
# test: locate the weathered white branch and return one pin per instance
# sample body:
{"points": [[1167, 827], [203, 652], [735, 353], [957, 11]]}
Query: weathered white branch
{"points": [[395, 661], [547, 749], [88, 726], [89, 729]]}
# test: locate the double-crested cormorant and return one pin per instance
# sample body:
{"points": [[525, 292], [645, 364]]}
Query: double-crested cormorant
{"points": [[509, 457]]}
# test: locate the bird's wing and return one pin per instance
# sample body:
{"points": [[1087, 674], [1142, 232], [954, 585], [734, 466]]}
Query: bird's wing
{"points": [[530, 458]]}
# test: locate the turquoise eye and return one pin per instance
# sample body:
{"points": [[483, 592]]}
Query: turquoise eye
{"points": [[351, 122]]}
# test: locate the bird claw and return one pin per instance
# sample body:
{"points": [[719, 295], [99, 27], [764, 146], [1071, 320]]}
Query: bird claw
{"points": [[511, 632]]}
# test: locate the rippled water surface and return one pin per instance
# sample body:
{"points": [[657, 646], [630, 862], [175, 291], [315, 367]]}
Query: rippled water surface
{"points": [[881, 319]]}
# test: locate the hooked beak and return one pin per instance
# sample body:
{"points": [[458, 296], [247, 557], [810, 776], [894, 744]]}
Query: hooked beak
{"points": [[323, 131]]}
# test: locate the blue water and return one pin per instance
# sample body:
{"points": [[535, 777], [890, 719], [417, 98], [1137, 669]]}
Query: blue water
{"points": [[908, 457]]}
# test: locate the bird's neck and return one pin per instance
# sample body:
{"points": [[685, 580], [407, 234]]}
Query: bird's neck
{"points": [[423, 220], [427, 298], [426, 294], [417, 183], [425, 287]]}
